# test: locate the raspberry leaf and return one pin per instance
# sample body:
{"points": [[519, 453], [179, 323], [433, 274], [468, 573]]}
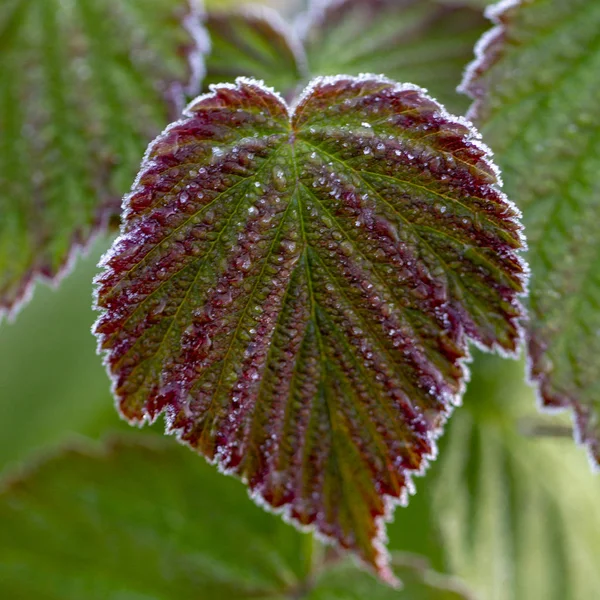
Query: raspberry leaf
{"points": [[535, 98], [85, 85], [295, 289]]}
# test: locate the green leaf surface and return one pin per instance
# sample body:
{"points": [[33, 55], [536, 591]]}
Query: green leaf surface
{"points": [[85, 85], [147, 520], [254, 42], [140, 521], [345, 582], [536, 97], [295, 289], [408, 40], [518, 513]]}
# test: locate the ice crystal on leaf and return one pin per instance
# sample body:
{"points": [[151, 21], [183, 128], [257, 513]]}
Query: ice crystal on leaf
{"points": [[295, 289]]}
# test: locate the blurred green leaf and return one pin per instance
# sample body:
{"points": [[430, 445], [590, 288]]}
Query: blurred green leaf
{"points": [[535, 85], [254, 42], [140, 521], [149, 520], [519, 515], [288, 7], [415, 41], [345, 582], [85, 85], [516, 515], [52, 383]]}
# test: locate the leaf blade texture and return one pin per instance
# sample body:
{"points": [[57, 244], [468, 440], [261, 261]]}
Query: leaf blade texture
{"points": [[409, 40], [295, 290], [97, 523], [85, 85], [546, 133]]}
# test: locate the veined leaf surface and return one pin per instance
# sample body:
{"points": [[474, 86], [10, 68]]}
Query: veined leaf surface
{"points": [[408, 40], [85, 85], [535, 90], [295, 288], [146, 519]]}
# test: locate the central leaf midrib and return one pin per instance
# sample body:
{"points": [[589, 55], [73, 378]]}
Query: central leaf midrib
{"points": [[276, 239], [376, 342], [335, 454]]}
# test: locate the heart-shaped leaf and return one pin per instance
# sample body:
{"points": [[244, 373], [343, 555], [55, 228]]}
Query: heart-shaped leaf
{"points": [[84, 85], [535, 85], [408, 40], [295, 289], [145, 519]]}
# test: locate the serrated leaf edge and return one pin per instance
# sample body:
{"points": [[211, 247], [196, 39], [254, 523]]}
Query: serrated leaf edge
{"points": [[488, 51], [383, 560], [53, 278]]}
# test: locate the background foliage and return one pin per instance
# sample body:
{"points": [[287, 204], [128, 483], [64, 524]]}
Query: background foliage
{"points": [[513, 516]]}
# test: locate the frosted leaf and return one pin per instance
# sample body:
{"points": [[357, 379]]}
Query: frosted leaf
{"points": [[304, 324]]}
